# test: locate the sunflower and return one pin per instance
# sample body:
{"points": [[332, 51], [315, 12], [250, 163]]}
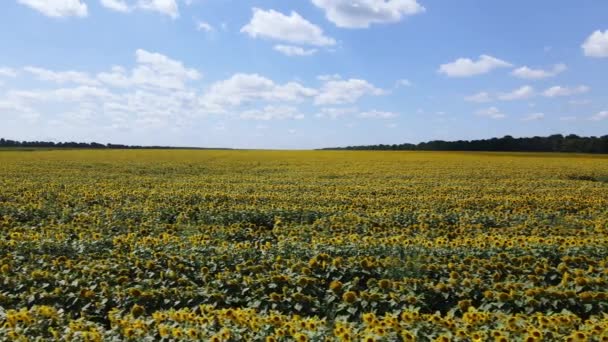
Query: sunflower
{"points": [[384, 284], [349, 296], [299, 337], [335, 285], [408, 336], [137, 310]]}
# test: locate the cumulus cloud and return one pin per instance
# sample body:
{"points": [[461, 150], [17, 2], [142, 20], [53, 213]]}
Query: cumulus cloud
{"points": [[534, 117], [273, 113], [479, 97], [290, 50], [243, 88], [61, 77], [363, 13], [600, 116], [521, 93], [155, 93], [74, 94], [557, 91], [538, 74], [377, 114], [204, 26], [293, 29], [116, 5], [58, 8], [596, 45], [12, 108], [335, 112], [492, 113], [166, 7], [338, 91], [159, 91], [7, 72], [153, 70], [466, 67]]}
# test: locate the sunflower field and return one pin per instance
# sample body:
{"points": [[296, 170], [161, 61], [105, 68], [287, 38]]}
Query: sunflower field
{"points": [[152, 245]]}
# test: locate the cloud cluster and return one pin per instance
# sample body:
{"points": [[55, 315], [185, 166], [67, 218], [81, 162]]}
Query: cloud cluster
{"points": [[363, 13], [466, 67], [293, 28], [596, 45], [521, 93], [7, 72], [527, 92], [557, 91], [58, 8], [290, 50], [538, 74], [166, 7], [339, 91], [491, 112], [159, 91]]}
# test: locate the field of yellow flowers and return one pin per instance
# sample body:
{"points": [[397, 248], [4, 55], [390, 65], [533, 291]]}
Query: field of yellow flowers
{"points": [[302, 246]]}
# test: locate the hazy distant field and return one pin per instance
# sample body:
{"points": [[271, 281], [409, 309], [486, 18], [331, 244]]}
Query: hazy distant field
{"points": [[265, 245]]}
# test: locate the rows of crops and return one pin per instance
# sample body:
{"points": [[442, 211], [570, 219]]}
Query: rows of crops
{"points": [[282, 246]]}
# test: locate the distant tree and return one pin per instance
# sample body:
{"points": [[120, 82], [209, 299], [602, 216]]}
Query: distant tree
{"points": [[552, 143]]}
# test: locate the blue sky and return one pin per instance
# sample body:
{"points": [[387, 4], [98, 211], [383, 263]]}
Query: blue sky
{"points": [[301, 74]]}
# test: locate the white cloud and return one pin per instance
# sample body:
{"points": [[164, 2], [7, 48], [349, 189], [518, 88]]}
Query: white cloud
{"points": [[58, 8], [153, 70], [8, 72], [242, 88], [465, 67], [75, 94], [61, 77], [12, 108], [165, 65], [403, 83], [538, 74], [78, 94], [335, 112], [492, 113], [600, 116], [377, 114], [272, 113], [596, 45], [116, 5], [204, 26], [565, 91], [154, 94], [345, 91], [167, 7], [363, 13], [117, 77], [479, 97], [534, 117], [521, 93], [278, 26], [290, 50]]}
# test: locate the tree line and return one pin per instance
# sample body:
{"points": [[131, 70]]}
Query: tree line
{"points": [[92, 145], [552, 143]]}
